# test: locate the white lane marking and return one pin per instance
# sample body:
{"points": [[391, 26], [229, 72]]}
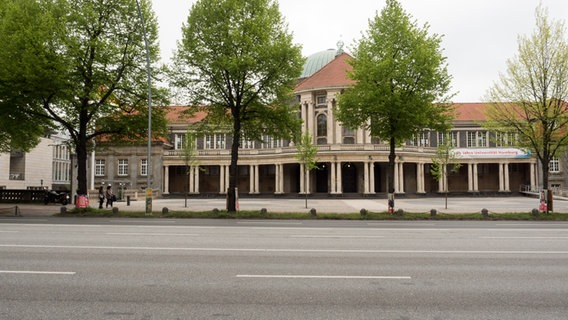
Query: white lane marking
{"points": [[287, 276], [9, 231], [536, 238], [149, 234], [355, 237], [286, 250], [269, 222], [37, 272]]}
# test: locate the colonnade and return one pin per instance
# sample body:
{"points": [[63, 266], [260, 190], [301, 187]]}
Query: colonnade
{"points": [[336, 178]]}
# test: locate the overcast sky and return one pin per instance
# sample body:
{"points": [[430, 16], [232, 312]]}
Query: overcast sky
{"points": [[479, 35]]}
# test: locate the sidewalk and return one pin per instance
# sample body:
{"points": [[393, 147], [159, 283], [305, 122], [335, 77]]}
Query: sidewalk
{"points": [[455, 205]]}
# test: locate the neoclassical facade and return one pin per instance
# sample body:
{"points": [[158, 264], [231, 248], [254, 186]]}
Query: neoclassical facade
{"points": [[351, 162]]}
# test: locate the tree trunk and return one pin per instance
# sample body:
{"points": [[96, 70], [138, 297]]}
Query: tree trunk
{"points": [[81, 150], [392, 157], [233, 172]]}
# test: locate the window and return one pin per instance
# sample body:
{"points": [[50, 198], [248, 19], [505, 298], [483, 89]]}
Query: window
{"points": [[348, 136], [269, 142], [99, 167], [322, 125], [505, 139], [476, 139], [246, 143], [421, 140], [215, 141], [321, 100], [554, 165], [144, 167], [443, 136], [122, 167], [178, 141]]}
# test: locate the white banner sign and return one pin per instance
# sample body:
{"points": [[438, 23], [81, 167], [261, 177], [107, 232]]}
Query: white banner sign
{"points": [[490, 153]]}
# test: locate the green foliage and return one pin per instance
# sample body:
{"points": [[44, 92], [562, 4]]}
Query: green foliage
{"points": [[444, 157], [189, 150], [80, 66], [529, 100], [401, 83], [402, 79], [236, 61], [307, 152]]}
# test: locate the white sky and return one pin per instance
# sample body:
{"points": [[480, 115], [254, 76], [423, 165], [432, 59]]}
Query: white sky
{"points": [[479, 35]]}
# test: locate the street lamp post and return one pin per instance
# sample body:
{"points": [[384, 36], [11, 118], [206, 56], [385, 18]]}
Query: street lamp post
{"points": [[148, 167]]}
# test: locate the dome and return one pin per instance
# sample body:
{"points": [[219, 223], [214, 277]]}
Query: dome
{"points": [[317, 61]]}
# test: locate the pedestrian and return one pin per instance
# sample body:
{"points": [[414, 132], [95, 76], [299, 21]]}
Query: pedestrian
{"points": [[101, 197], [109, 196]]}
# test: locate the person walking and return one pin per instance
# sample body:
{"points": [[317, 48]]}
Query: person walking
{"points": [[109, 196], [101, 197]]}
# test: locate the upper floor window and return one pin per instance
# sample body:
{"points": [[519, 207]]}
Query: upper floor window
{"points": [[122, 167], [269, 142], [505, 139], [100, 167], [178, 141], [215, 141], [246, 143], [322, 125], [321, 100], [554, 165], [476, 139], [454, 136], [348, 136], [421, 140]]}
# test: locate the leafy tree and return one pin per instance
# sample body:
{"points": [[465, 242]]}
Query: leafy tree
{"points": [[237, 62], [307, 152], [529, 100], [79, 66], [401, 82], [444, 158]]}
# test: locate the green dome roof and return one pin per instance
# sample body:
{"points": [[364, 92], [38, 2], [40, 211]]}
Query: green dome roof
{"points": [[317, 61]]}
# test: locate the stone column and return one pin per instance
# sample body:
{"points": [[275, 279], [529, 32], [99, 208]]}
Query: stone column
{"points": [[366, 181], [311, 119], [533, 176], [166, 179], [302, 179], [372, 177], [475, 178], [420, 178], [251, 179], [256, 180], [330, 122], [470, 177], [339, 186], [507, 181], [501, 178], [303, 107], [191, 177], [196, 175], [222, 186], [333, 183]]}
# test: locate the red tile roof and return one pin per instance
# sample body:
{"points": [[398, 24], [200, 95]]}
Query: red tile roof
{"points": [[175, 114], [470, 111], [334, 74]]}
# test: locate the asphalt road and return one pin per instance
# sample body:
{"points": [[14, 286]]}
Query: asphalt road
{"points": [[55, 268]]}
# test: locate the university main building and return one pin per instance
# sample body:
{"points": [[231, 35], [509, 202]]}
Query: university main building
{"points": [[351, 162]]}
